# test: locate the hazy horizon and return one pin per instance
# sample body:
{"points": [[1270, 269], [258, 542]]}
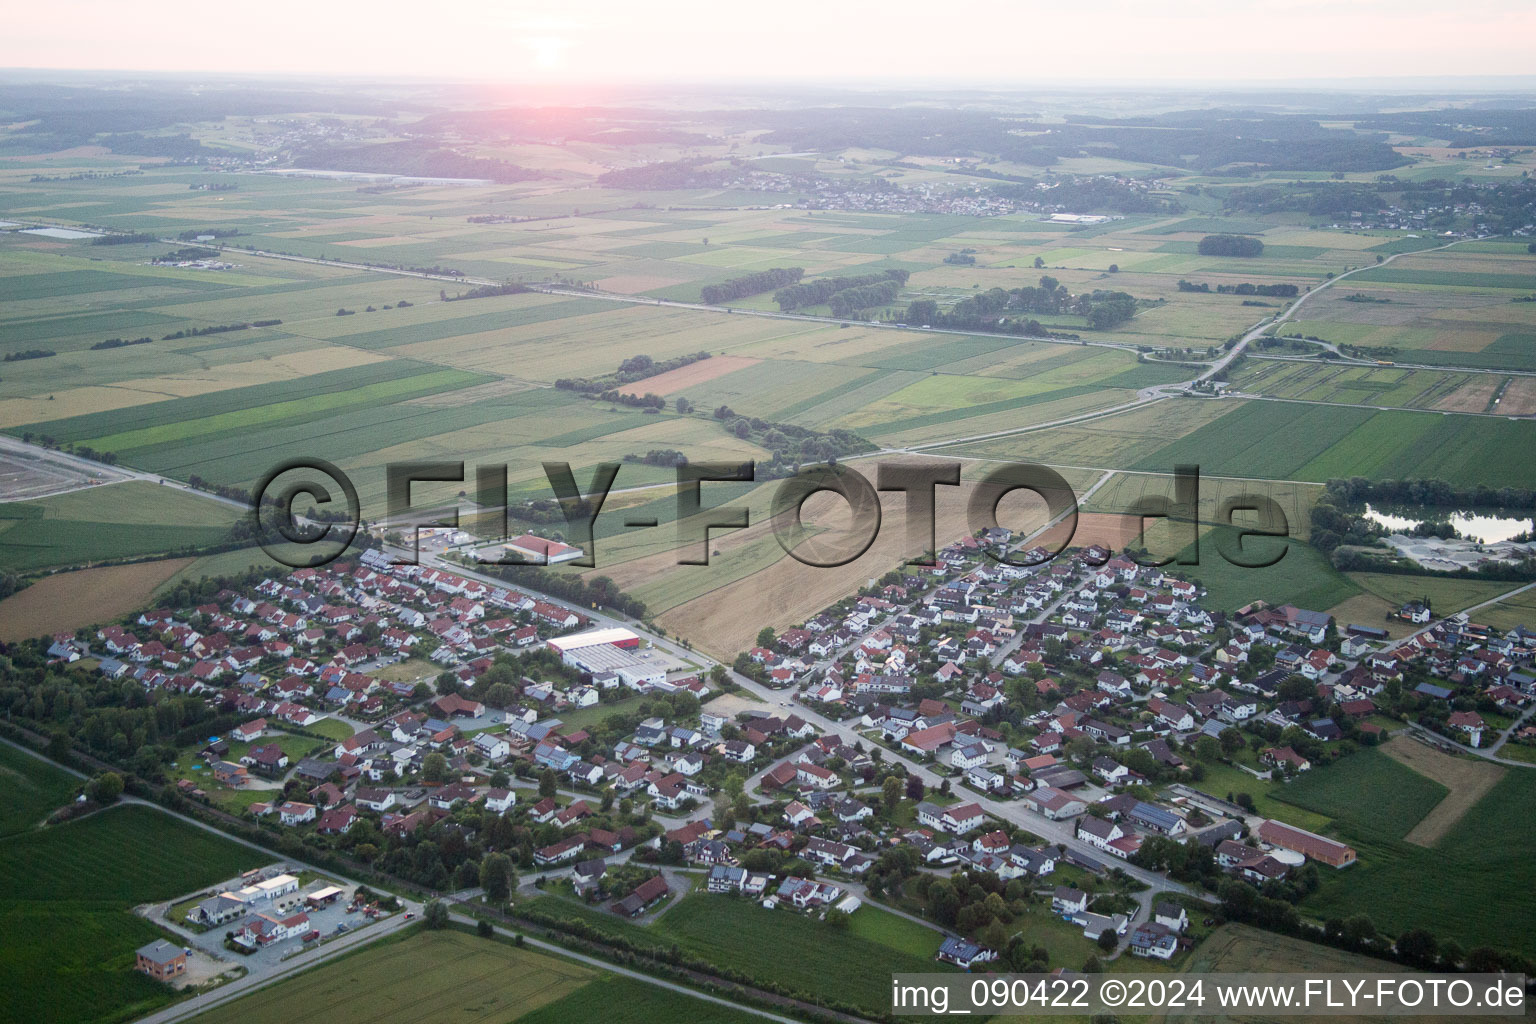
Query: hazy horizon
{"points": [[1102, 43]]}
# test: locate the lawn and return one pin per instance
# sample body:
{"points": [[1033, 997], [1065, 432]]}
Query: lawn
{"points": [[69, 889], [446, 977], [1223, 779], [882, 926]]}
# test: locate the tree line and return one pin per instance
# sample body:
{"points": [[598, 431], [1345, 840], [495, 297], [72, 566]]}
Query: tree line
{"points": [[751, 284], [1230, 245], [1282, 291], [814, 293]]}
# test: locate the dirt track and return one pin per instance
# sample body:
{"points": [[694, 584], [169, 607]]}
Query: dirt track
{"points": [[1468, 780]]}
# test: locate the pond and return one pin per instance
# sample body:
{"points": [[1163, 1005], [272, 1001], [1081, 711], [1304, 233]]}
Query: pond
{"points": [[1478, 526]]}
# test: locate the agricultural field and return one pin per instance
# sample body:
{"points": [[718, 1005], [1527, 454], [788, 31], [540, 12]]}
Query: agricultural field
{"points": [[1239, 948], [617, 1000], [732, 933], [1374, 386], [1302, 576], [1369, 794], [1466, 779], [66, 601], [445, 976], [1387, 592], [1510, 612], [1444, 886], [70, 888], [122, 520], [1451, 307], [34, 789]]}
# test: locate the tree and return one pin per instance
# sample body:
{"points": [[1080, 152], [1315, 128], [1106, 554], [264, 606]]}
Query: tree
{"points": [[1108, 940], [496, 877], [547, 783], [1359, 930], [105, 788], [435, 916], [1039, 262], [1208, 749], [914, 788], [434, 767], [1418, 947], [891, 792], [1231, 740], [837, 920], [765, 637], [485, 929]]}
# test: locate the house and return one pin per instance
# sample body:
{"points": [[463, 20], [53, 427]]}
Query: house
{"points": [[726, 878], [263, 929], [1284, 757], [500, 801], [1068, 902], [588, 874], [337, 820], [962, 818], [160, 960], [1171, 916], [645, 894], [963, 953], [559, 853], [971, 755], [294, 813], [1154, 940], [1469, 722], [218, 909], [1054, 803]]}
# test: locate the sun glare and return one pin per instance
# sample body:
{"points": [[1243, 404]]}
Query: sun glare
{"points": [[548, 51]]}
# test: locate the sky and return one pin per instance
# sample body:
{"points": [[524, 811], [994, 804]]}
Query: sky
{"points": [[992, 42]]}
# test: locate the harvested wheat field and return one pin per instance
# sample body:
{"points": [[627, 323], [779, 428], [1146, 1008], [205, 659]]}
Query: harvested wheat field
{"points": [[1468, 780], [690, 376], [1473, 397], [1519, 398], [727, 618], [65, 601]]}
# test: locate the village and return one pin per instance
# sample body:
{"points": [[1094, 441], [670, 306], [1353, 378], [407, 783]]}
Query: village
{"points": [[1029, 724]]}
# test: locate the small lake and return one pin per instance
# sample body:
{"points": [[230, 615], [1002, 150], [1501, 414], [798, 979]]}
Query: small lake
{"points": [[1485, 529]]}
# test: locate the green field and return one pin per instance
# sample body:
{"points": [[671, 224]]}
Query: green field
{"points": [[33, 790], [451, 977], [122, 520], [1303, 576], [732, 933], [68, 890], [1294, 440], [447, 977], [1476, 886], [1370, 795], [617, 1000]]}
